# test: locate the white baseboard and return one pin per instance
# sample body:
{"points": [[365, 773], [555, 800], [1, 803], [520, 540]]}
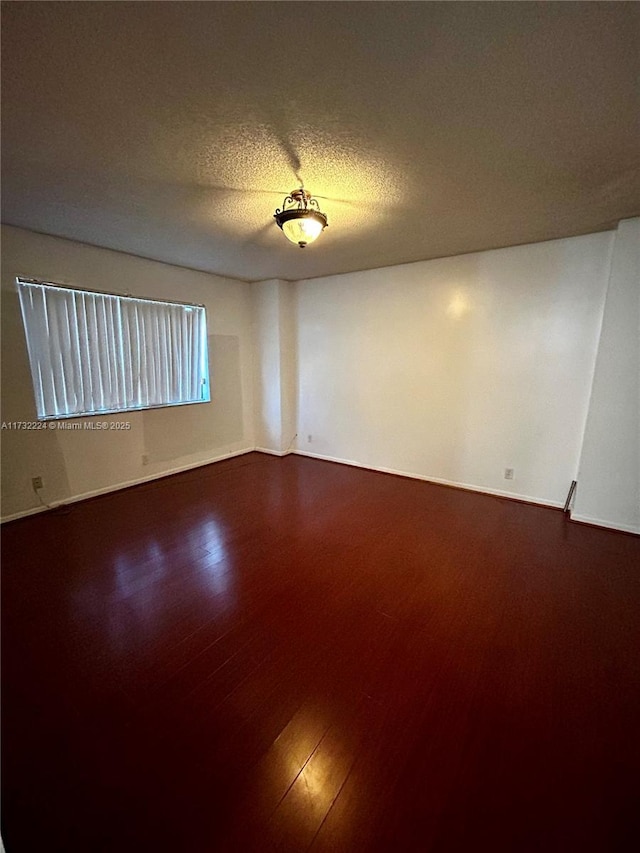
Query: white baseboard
{"points": [[610, 525], [126, 485], [581, 519], [24, 513], [484, 490]]}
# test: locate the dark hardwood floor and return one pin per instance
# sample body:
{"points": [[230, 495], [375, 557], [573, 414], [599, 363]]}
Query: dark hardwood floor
{"points": [[289, 654]]}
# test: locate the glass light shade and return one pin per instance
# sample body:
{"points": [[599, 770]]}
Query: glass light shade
{"points": [[303, 229]]}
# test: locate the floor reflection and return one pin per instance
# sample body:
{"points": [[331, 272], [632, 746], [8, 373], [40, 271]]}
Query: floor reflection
{"points": [[141, 594], [216, 568]]}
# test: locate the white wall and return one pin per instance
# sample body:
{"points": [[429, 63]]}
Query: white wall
{"points": [[267, 367], [274, 365], [74, 464], [456, 369], [609, 478], [289, 361]]}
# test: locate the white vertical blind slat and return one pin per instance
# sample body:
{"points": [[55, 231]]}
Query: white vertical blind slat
{"points": [[93, 352], [85, 353], [59, 363], [204, 355], [127, 356]]}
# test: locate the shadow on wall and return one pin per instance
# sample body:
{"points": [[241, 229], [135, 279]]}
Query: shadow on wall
{"points": [[172, 433]]}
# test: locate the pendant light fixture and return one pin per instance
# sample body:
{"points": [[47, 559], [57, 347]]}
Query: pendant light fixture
{"points": [[301, 219]]}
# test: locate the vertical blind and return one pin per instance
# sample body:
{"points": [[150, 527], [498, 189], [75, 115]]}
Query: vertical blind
{"points": [[95, 353]]}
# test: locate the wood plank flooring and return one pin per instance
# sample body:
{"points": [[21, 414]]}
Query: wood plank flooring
{"points": [[288, 654]]}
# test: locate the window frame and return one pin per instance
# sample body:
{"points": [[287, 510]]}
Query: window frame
{"points": [[205, 380]]}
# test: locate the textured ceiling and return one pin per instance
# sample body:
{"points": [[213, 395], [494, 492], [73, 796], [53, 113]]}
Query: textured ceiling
{"points": [[173, 130]]}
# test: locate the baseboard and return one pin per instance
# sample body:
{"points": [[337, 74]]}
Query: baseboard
{"points": [[26, 512], [609, 525], [580, 519], [126, 485], [467, 487]]}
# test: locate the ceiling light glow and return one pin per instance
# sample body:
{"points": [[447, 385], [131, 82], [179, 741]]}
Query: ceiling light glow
{"points": [[300, 218]]}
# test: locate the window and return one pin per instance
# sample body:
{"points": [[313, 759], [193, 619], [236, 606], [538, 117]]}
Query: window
{"points": [[95, 353]]}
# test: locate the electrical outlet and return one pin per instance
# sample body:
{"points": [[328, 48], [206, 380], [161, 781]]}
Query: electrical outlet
{"points": [[37, 483], [309, 439], [508, 473], [145, 459]]}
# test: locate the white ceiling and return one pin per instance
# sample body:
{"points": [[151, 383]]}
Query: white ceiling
{"points": [[174, 130]]}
